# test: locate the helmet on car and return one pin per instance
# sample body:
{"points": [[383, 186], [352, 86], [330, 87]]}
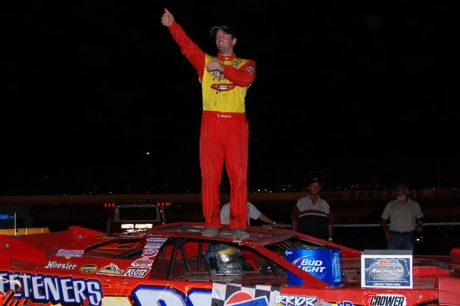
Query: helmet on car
{"points": [[221, 258]]}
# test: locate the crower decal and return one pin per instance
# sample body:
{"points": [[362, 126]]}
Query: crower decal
{"points": [[386, 299]]}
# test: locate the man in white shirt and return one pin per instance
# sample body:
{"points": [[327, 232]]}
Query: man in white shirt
{"points": [[253, 213], [405, 218]]}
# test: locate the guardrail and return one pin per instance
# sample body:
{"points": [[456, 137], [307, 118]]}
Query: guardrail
{"points": [[378, 225], [334, 196]]}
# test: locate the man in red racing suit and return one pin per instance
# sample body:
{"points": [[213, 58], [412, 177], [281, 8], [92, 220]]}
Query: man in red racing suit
{"points": [[224, 133]]}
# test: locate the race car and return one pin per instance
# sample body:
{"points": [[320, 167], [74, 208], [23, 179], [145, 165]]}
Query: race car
{"points": [[174, 264]]}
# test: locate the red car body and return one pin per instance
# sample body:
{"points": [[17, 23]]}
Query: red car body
{"points": [[165, 266]]}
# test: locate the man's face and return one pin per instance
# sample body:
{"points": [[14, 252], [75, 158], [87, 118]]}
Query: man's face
{"points": [[314, 188], [401, 193], [224, 42], [400, 190]]}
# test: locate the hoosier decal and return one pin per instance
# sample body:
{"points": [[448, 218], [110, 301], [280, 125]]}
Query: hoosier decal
{"points": [[59, 265]]}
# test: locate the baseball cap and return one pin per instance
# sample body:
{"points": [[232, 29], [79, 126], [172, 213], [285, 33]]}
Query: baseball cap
{"points": [[225, 28], [314, 180]]}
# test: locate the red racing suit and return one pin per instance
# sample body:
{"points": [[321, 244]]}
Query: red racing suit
{"points": [[224, 129]]}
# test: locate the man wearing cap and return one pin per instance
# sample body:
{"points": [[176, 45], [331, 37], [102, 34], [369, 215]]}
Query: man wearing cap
{"points": [[405, 217], [224, 133], [313, 215]]}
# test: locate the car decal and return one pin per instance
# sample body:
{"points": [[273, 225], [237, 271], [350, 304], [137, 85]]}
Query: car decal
{"points": [[43, 289]]}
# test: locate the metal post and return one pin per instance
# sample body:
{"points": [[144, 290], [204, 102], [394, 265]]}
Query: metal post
{"points": [[15, 227]]}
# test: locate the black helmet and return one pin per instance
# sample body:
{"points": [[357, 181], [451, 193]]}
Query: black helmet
{"points": [[221, 258]]}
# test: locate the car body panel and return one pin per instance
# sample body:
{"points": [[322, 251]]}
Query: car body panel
{"points": [[165, 266]]}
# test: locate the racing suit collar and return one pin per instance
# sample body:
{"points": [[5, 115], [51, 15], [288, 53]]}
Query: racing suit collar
{"points": [[226, 57]]}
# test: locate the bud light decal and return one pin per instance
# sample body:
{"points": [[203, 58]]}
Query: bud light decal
{"points": [[323, 263]]}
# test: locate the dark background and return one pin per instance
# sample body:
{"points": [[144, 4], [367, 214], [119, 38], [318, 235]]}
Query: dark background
{"points": [[363, 94]]}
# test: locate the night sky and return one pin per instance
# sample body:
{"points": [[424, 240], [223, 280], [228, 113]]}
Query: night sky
{"points": [[358, 91]]}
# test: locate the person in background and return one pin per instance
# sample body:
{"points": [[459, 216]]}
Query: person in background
{"points": [[312, 215], [253, 213], [224, 134], [405, 217]]}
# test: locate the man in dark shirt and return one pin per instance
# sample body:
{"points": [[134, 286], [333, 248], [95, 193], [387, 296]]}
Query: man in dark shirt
{"points": [[312, 215]]}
